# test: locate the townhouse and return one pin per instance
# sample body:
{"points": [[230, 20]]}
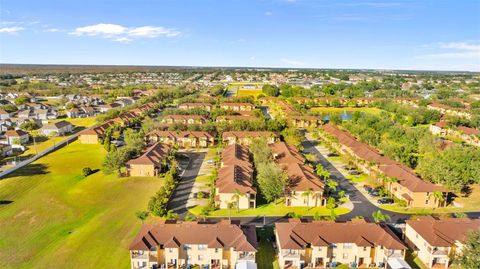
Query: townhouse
{"points": [[95, 134], [305, 187], [59, 128], [398, 179], [326, 244], [444, 109], [184, 119], [151, 162], [233, 118], [303, 121], [16, 137], [436, 240], [237, 106], [173, 245], [183, 139], [234, 184], [245, 138], [188, 106], [469, 135], [106, 107]]}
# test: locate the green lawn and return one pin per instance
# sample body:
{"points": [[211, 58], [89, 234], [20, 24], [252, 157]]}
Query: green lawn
{"points": [[271, 209], [265, 256], [58, 219], [326, 110], [358, 178], [244, 92], [79, 122]]}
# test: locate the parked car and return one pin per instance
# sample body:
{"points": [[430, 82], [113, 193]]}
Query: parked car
{"points": [[346, 167], [354, 173], [385, 201], [373, 193], [332, 154], [367, 188]]}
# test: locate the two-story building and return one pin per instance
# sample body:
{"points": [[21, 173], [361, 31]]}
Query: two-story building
{"points": [[150, 163], [305, 187], [436, 240], [303, 121], [403, 182], [184, 119], [245, 138], [234, 184], [327, 244], [184, 139], [188, 106], [237, 106], [174, 245]]}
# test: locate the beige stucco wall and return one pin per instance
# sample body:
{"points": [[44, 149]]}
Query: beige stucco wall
{"points": [[297, 199], [225, 198], [88, 139], [138, 170]]}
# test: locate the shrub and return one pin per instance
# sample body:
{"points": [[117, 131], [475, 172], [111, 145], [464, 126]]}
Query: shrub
{"points": [[87, 171]]}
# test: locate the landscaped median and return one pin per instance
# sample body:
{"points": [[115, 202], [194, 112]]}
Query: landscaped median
{"points": [[272, 209]]}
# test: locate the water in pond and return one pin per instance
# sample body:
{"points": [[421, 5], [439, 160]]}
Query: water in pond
{"points": [[345, 115]]}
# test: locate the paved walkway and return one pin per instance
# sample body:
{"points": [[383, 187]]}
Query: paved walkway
{"points": [[183, 192]]}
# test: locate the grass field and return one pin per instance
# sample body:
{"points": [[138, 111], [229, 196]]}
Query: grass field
{"points": [[271, 209], [326, 110], [79, 122], [254, 93], [58, 219]]}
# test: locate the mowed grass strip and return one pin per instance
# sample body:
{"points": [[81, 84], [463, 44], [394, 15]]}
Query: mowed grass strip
{"points": [[58, 219]]}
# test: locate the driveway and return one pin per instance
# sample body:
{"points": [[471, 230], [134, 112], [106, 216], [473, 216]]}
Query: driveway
{"points": [[362, 206], [183, 191]]}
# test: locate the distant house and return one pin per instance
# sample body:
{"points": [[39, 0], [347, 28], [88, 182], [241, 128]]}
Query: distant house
{"points": [[96, 134], [74, 113], [150, 163], [57, 128], [237, 106], [107, 107], [182, 139], [188, 106], [184, 119], [16, 137], [4, 115], [88, 111], [245, 138], [233, 118], [304, 121], [5, 150], [24, 114]]}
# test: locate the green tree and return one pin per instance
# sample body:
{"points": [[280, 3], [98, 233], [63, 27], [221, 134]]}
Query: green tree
{"points": [[470, 256], [21, 100], [271, 180], [114, 161], [378, 216], [270, 90], [331, 203], [87, 171]]}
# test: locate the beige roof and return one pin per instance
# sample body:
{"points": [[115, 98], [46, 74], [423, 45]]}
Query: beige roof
{"points": [[154, 155], [297, 234], [224, 234], [443, 232], [405, 176], [15, 133], [56, 125]]}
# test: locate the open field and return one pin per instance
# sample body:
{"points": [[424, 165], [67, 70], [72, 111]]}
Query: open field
{"points": [[327, 110], [271, 209], [239, 89], [254, 93], [52, 217], [79, 122]]}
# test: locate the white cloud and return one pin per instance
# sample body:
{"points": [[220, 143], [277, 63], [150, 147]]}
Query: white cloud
{"points": [[456, 50], [53, 30], [11, 30], [124, 34], [268, 13], [292, 62], [252, 58]]}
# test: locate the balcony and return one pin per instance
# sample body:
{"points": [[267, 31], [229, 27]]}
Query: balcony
{"points": [[246, 257]]}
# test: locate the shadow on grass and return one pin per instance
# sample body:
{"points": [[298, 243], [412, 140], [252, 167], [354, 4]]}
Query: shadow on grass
{"points": [[265, 256], [29, 170], [5, 202]]}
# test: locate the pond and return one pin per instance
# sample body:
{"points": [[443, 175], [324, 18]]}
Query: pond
{"points": [[345, 115]]}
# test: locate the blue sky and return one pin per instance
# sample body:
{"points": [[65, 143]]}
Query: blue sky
{"points": [[381, 34]]}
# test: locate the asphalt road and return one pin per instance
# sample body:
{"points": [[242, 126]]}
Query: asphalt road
{"points": [[181, 194]]}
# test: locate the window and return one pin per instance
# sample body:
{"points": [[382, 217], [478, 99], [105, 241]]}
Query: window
{"points": [[345, 255], [216, 250], [200, 257], [347, 245], [202, 247], [333, 245], [364, 248], [170, 250]]}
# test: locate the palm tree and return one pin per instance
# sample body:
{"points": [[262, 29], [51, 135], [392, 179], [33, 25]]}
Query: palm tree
{"points": [[389, 181], [332, 185], [236, 196], [322, 172], [438, 195], [307, 194], [230, 207]]}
